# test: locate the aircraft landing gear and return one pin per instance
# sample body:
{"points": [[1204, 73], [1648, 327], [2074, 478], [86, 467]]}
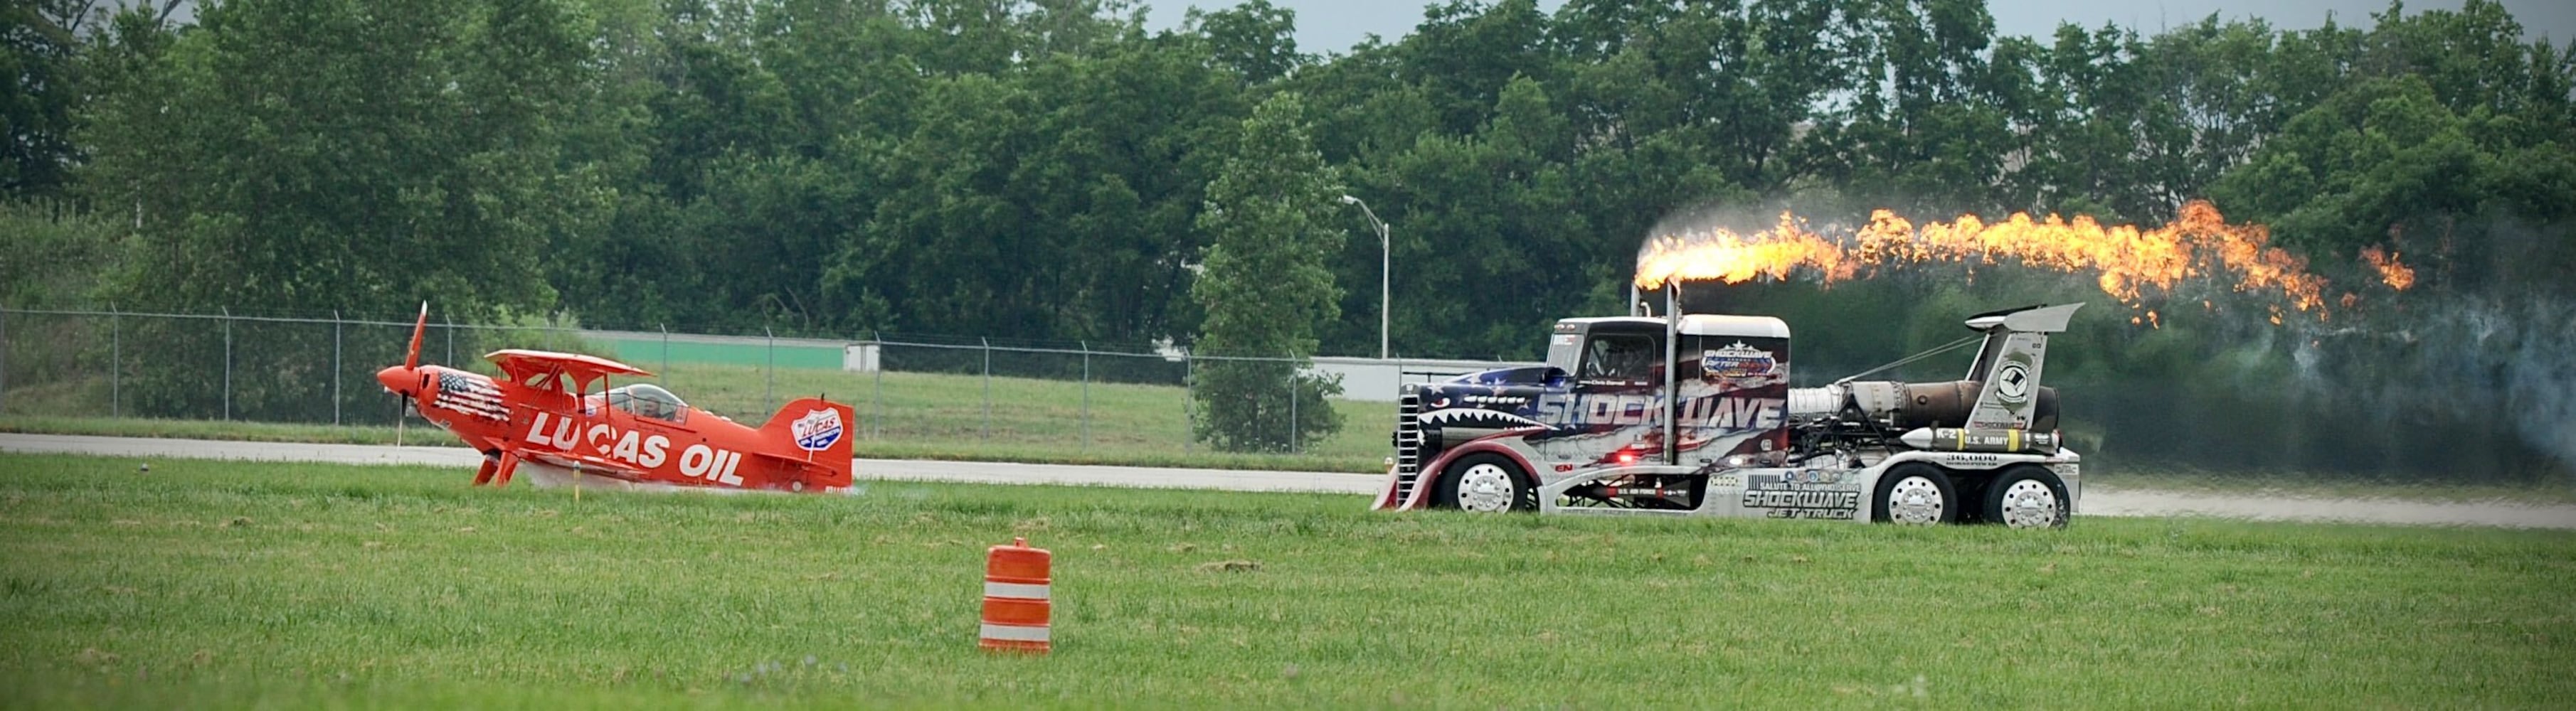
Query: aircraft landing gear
{"points": [[491, 464]]}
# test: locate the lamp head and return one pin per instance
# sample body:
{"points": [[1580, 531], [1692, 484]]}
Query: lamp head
{"points": [[1348, 200]]}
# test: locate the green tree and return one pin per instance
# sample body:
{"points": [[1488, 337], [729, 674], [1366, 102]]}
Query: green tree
{"points": [[308, 157], [933, 259], [1267, 287], [2385, 163], [1256, 39], [621, 264], [315, 155], [1465, 52], [40, 91], [1490, 243], [1934, 136], [1115, 174], [52, 256], [1055, 201], [719, 99]]}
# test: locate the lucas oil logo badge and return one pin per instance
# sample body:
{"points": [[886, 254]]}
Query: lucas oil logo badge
{"points": [[818, 430], [1737, 362]]}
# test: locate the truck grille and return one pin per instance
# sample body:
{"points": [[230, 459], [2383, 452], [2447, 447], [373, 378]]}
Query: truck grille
{"points": [[1408, 444]]}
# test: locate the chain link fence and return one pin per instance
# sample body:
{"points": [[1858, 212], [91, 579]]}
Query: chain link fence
{"points": [[928, 391]]}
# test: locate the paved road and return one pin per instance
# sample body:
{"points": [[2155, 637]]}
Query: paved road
{"points": [[2098, 502], [894, 469]]}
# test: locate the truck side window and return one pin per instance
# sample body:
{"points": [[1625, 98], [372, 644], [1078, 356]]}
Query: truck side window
{"points": [[1621, 357]]}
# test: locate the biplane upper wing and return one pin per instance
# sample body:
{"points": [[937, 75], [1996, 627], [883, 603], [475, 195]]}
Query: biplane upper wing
{"points": [[524, 364]]}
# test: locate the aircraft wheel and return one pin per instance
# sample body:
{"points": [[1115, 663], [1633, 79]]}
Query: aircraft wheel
{"points": [[1486, 482], [2027, 496], [1915, 494]]}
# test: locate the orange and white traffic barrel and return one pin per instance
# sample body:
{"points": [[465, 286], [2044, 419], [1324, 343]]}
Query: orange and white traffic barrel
{"points": [[1016, 603]]}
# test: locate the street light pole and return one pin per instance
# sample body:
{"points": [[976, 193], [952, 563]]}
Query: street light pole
{"points": [[1385, 260]]}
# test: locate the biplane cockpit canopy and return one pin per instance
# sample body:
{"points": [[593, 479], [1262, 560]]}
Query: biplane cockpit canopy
{"points": [[647, 400]]}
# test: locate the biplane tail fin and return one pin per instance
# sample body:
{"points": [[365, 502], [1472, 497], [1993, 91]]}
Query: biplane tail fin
{"points": [[821, 429]]}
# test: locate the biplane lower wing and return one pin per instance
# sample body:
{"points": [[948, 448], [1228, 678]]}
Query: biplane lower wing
{"points": [[585, 465]]}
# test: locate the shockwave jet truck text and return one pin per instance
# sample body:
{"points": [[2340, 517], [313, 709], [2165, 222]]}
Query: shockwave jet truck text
{"points": [[1694, 415]]}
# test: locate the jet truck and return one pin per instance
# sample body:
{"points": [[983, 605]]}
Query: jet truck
{"points": [[1694, 415]]}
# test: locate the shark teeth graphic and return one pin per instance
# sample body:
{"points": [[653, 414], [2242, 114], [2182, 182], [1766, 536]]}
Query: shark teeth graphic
{"points": [[1468, 417]]}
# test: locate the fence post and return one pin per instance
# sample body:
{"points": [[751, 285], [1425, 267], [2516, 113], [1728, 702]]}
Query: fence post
{"points": [[1086, 395], [115, 363], [988, 388], [335, 367], [876, 430], [4, 360], [769, 388], [664, 377], [451, 342], [228, 362], [1292, 407], [1189, 401]]}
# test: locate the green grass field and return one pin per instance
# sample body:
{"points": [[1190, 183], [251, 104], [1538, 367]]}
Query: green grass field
{"points": [[268, 585]]}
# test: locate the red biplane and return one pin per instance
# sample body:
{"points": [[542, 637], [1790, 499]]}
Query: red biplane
{"points": [[542, 418]]}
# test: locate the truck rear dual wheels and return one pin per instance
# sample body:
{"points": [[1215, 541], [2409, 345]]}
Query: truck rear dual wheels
{"points": [[2027, 496], [2023, 496], [1486, 482]]}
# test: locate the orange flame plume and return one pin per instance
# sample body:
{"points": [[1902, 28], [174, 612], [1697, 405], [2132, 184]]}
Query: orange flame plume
{"points": [[2127, 259], [2398, 276]]}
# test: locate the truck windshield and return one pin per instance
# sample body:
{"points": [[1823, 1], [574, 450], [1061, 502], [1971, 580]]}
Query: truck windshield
{"points": [[1619, 356], [1565, 350]]}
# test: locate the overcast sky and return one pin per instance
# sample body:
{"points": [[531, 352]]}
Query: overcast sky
{"points": [[1335, 25]]}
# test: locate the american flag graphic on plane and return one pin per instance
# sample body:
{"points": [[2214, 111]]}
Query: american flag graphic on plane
{"points": [[470, 393]]}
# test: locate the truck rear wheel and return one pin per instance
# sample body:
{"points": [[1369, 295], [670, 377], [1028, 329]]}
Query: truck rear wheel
{"points": [[2027, 496], [1915, 494], [1486, 482]]}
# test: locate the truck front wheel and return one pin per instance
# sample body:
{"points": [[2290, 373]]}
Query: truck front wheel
{"points": [[1915, 493], [1486, 482]]}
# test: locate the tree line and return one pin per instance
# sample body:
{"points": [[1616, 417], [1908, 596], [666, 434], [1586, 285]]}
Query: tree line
{"points": [[1052, 169]]}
